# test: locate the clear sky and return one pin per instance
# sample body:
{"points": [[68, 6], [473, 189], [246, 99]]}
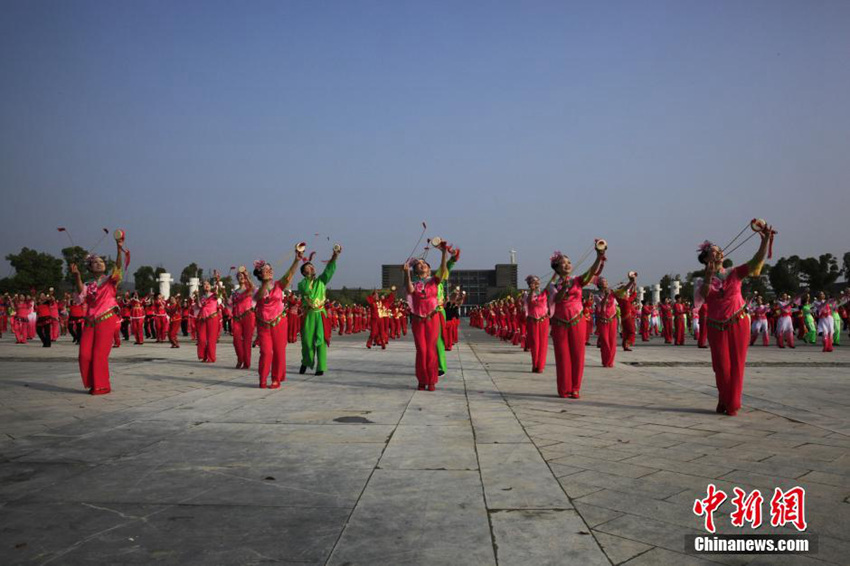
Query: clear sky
{"points": [[219, 132]]}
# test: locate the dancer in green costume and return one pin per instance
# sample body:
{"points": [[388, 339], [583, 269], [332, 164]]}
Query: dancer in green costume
{"points": [[314, 348], [812, 331], [441, 299]]}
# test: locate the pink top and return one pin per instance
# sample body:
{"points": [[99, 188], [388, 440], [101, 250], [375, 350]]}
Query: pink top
{"points": [[99, 297], [207, 305], [423, 300], [724, 297], [23, 309], [242, 302], [571, 305], [537, 306], [270, 306], [606, 307]]}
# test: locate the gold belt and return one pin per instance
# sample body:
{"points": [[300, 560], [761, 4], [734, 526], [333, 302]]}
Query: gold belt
{"points": [[272, 323], [533, 319], [92, 322], [203, 318], [732, 320], [568, 323], [239, 317], [426, 317]]}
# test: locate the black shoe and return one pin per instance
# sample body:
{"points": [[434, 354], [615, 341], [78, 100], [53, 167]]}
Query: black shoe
{"points": [[302, 370], [441, 373], [320, 373]]}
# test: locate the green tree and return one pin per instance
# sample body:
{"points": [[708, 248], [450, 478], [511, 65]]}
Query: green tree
{"points": [[145, 279], [73, 254], [819, 274], [846, 262], [191, 270], [785, 275], [33, 269]]}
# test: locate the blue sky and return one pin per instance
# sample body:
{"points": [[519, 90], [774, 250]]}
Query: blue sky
{"points": [[219, 132]]}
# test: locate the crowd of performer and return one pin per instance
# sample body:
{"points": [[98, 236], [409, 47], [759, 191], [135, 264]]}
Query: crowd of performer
{"points": [[784, 319], [263, 312]]}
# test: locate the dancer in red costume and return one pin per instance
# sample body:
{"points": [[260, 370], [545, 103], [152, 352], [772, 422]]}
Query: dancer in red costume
{"points": [[784, 324], [606, 322], [101, 320], [175, 317], [626, 300], [566, 318], [727, 321], [422, 297], [667, 320], [645, 320], [272, 321], [20, 323], [208, 319], [536, 309], [243, 322], [679, 310]]}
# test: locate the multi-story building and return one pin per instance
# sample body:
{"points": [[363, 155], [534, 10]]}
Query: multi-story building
{"points": [[481, 285]]}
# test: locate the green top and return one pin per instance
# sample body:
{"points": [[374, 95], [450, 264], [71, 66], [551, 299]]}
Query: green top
{"points": [[313, 291], [441, 289]]}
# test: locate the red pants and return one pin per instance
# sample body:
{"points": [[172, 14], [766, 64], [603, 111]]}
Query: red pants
{"points": [[20, 326], [425, 332], [138, 325], [208, 330], [173, 329], [537, 341], [679, 326], [668, 330], [404, 325], [607, 341], [644, 330], [161, 327], [788, 336], [292, 329], [116, 336], [273, 340], [243, 336], [728, 358], [95, 345], [375, 334], [4, 322], [703, 334], [569, 345], [628, 333], [588, 329]]}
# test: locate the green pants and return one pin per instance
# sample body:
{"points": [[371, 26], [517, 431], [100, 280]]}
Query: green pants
{"points": [[836, 336], [314, 351], [812, 335], [441, 347]]}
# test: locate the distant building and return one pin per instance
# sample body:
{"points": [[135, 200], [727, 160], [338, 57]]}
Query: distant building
{"points": [[481, 285]]}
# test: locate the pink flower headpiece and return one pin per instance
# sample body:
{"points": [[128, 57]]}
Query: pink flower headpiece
{"points": [[531, 278], [90, 259], [556, 255], [259, 264], [705, 246]]}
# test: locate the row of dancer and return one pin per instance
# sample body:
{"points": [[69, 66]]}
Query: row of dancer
{"points": [[560, 312]]}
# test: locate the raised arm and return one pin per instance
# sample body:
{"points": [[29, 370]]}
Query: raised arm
{"points": [[757, 262], [78, 280], [407, 282], [286, 280], [443, 265], [595, 269]]}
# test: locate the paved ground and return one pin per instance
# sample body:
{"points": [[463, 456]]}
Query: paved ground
{"points": [[191, 464]]}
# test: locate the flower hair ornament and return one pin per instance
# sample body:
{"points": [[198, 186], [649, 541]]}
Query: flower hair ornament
{"points": [[531, 278], [705, 246], [259, 264], [556, 256], [90, 259]]}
